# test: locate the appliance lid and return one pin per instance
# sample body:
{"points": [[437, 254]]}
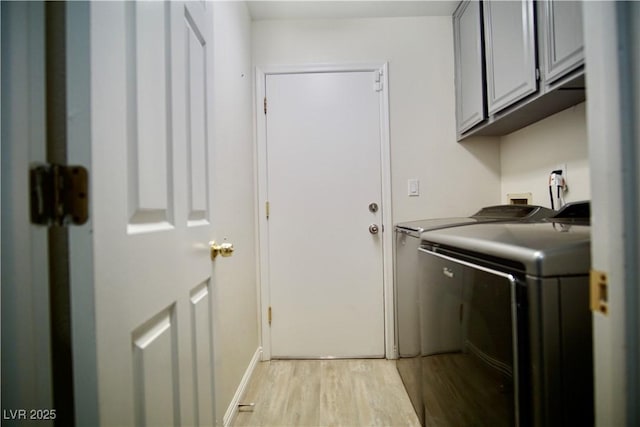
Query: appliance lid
{"points": [[486, 214], [575, 212], [432, 224], [498, 212], [544, 249]]}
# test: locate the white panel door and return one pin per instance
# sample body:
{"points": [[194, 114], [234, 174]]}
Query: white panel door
{"points": [[152, 212], [324, 169]]}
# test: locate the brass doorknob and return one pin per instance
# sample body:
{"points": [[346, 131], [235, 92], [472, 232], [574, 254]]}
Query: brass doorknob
{"points": [[225, 249]]}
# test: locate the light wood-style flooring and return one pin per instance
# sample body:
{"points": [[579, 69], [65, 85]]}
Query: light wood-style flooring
{"points": [[351, 392]]}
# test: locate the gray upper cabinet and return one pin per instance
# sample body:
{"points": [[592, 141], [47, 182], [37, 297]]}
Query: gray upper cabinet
{"points": [[467, 36], [514, 68], [561, 28], [510, 46]]}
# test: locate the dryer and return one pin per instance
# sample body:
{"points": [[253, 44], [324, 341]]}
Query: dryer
{"points": [[406, 265], [505, 325]]}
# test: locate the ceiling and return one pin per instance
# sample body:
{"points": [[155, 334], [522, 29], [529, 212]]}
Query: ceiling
{"points": [[328, 9]]}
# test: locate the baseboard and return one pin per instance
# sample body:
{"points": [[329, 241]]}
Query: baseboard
{"points": [[232, 410]]}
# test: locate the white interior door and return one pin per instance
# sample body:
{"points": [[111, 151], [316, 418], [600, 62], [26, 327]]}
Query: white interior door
{"points": [[323, 172], [152, 212]]}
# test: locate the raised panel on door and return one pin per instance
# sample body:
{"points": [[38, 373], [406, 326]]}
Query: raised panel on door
{"points": [[148, 106], [197, 130], [561, 25], [470, 92], [155, 371], [510, 52], [202, 345]]}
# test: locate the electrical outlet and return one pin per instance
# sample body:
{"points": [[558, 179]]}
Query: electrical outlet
{"points": [[563, 168]]}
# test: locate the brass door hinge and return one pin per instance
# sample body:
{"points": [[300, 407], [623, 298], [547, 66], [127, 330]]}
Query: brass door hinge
{"points": [[59, 194], [267, 207], [599, 292], [269, 315]]}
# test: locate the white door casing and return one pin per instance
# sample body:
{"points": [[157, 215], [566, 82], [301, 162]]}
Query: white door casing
{"points": [[26, 354], [323, 157], [152, 212]]}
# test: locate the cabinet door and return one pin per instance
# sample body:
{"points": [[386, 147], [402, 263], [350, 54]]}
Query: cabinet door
{"points": [[562, 37], [467, 33], [510, 52]]}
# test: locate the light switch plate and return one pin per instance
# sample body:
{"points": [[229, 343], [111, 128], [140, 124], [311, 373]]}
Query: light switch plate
{"points": [[414, 187]]}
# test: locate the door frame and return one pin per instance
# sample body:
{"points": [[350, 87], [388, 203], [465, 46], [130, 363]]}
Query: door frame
{"points": [[67, 73], [264, 300], [613, 109]]}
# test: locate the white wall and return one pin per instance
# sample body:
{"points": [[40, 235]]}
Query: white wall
{"points": [[528, 156], [454, 178], [235, 292]]}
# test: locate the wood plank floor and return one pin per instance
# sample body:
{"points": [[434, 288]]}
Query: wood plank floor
{"points": [[352, 392]]}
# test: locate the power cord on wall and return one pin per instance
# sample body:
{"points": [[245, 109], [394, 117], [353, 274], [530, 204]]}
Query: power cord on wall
{"points": [[557, 188]]}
